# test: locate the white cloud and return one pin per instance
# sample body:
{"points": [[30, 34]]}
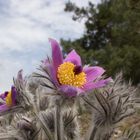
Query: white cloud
{"points": [[34, 21], [6, 73]]}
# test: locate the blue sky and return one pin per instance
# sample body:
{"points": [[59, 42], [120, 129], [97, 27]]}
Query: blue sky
{"points": [[25, 26]]}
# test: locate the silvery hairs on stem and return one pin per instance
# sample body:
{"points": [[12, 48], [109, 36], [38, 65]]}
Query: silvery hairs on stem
{"points": [[21, 128], [109, 107], [24, 98], [68, 125]]}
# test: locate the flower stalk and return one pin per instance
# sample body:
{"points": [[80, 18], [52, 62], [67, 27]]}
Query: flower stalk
{"points": [[59, 125]]}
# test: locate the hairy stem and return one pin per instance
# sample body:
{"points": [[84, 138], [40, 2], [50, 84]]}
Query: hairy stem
{"points": [[58, 123]]}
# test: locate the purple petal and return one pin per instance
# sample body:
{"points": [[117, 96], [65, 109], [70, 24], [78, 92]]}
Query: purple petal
{"points": [[74, 58], [3, 107], [98, 84], [14, 95], [3, 96], [52, 73], [56, 54], [93, 72], [69, 91]]}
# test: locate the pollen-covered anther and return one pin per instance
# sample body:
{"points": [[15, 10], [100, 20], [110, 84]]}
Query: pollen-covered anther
{"points": [[67, 76]]}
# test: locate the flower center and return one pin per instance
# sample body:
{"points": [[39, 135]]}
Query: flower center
{"points": [[9, 99], [69, 74]]}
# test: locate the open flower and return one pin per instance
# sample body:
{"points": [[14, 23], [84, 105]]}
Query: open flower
{"points": [[15, 98], [9, 99], [68, 74]]}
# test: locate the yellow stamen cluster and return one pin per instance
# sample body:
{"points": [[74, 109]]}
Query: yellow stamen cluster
{"points": [[67, 76], [9, 99]]}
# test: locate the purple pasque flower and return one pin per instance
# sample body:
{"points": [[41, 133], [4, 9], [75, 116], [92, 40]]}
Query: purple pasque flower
{"points": [[68, 74], [9, 99]]}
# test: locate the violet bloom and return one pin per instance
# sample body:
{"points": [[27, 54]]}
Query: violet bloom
{"points": [[68, 74], [9, 99]]}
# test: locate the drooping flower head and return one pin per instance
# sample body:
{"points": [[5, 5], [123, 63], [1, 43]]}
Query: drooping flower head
{"points": [[14, 97], [68, 74], [9, 99]]}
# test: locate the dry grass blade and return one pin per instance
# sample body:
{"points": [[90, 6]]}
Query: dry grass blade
{"points": [[129, 134]]}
